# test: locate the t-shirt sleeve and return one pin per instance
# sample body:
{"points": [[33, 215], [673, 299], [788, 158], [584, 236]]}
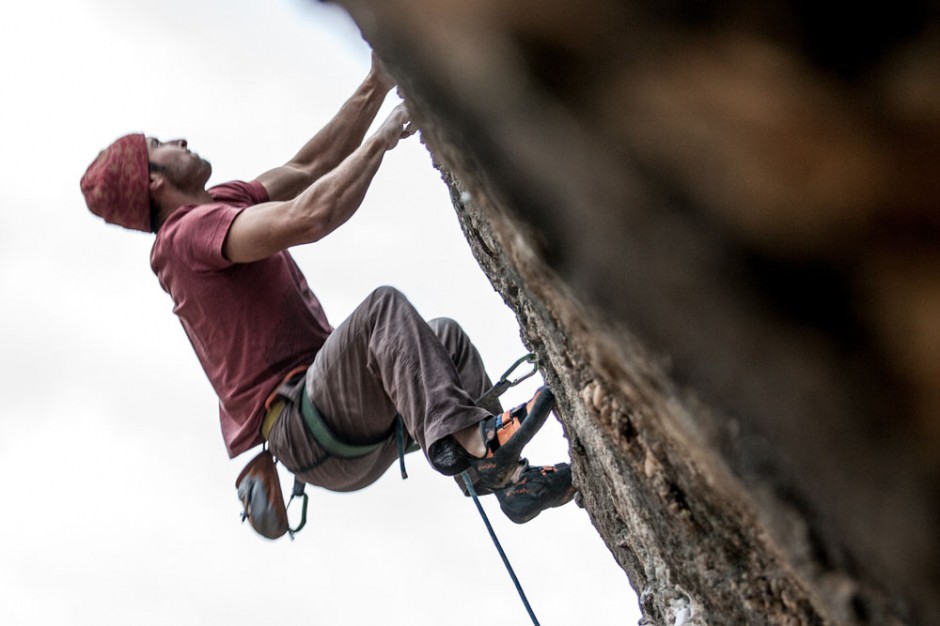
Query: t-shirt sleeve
{"points": [[196, 238]]}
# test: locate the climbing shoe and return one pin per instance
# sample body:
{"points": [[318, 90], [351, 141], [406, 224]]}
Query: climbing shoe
{"points": [[478, 488], [505, 435], [536, 489]]}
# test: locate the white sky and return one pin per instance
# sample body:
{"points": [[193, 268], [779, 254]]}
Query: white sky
{"points": [[119, 504]]}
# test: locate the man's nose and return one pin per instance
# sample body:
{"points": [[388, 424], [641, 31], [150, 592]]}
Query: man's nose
{"points": [[182, 143]]}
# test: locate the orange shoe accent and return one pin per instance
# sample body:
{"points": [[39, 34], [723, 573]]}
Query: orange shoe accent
{"points": [[505, 432]]}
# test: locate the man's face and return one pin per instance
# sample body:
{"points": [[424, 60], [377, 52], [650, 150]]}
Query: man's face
{"points": [[186, 170]]}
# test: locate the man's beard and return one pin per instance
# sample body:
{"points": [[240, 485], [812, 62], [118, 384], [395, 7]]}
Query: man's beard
{"points": [[192, 177]]}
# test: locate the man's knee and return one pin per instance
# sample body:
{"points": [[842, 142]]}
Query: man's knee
{"points": [[386, 300], [385, 293], [450, 333]]}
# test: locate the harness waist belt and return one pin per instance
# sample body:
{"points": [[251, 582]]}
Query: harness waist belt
{"points": [[274, 405], [270, 418]]}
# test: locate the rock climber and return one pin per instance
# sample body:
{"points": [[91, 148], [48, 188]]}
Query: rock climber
{"points": [[324, 400]]}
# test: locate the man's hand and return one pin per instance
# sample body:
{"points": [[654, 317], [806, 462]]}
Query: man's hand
{"points": [[396, 127], [335, 141]]}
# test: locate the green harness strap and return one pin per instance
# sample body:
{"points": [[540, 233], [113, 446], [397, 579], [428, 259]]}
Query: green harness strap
{"points": [[334, 446], [325, 437]]}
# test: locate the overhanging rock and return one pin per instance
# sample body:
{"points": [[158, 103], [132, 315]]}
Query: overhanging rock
{"points": [[718, 227]]}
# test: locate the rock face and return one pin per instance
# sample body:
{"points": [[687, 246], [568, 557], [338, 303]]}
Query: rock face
{"points": [[718, 226]]}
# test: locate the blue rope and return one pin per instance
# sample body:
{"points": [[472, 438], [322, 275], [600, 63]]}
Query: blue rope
{"points": [[499, 548]]}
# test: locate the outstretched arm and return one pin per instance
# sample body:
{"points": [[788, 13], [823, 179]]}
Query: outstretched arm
{"points": [[335, 141], [264, 229]]}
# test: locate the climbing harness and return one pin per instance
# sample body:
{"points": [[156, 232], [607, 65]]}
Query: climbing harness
{"points": [[332, 444], [335, 447], [495, 391]]}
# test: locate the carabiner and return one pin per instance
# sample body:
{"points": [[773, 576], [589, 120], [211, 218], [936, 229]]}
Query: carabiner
{"points": [[529, 358], [504, 383], [298, 492]]}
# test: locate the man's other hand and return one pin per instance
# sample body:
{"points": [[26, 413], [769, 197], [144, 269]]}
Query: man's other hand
{"points": [[380, 74]]}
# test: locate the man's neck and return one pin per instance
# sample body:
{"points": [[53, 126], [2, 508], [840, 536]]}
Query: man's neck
{"points": [[177, 199]]}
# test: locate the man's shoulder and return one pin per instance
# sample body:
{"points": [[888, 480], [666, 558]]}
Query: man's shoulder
{"points": [[239, 193], [228, 199], [195, 233]]}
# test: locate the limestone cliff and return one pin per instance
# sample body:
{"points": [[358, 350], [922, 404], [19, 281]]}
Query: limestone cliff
{"points": [[717, 224]]}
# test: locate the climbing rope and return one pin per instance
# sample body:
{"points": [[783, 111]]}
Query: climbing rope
{"points": [[499, 548], [494, 392]]}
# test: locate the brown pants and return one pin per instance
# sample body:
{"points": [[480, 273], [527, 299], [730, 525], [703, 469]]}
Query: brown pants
{"points": [[384, 359]]}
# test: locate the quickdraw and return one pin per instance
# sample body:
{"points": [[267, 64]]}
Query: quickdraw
{"points": [[504, 383]]}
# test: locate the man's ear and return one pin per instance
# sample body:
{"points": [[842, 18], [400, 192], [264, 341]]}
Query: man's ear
{"points": [[157, 182]]}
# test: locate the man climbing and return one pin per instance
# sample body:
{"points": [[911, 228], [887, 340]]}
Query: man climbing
{"points": [[326, 401]]}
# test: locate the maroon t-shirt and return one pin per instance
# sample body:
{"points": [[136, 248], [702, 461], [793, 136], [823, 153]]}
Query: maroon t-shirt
{"points": [[250, 323]]}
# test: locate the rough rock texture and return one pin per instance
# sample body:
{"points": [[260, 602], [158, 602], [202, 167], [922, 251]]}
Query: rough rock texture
{"points": [[718, 225]]}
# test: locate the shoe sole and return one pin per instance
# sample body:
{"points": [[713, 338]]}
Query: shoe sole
{"points": [[567, 497], [496, 471]]}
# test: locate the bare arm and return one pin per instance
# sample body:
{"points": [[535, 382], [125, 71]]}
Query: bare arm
{"points": [[334, 142], [264, 229]]}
